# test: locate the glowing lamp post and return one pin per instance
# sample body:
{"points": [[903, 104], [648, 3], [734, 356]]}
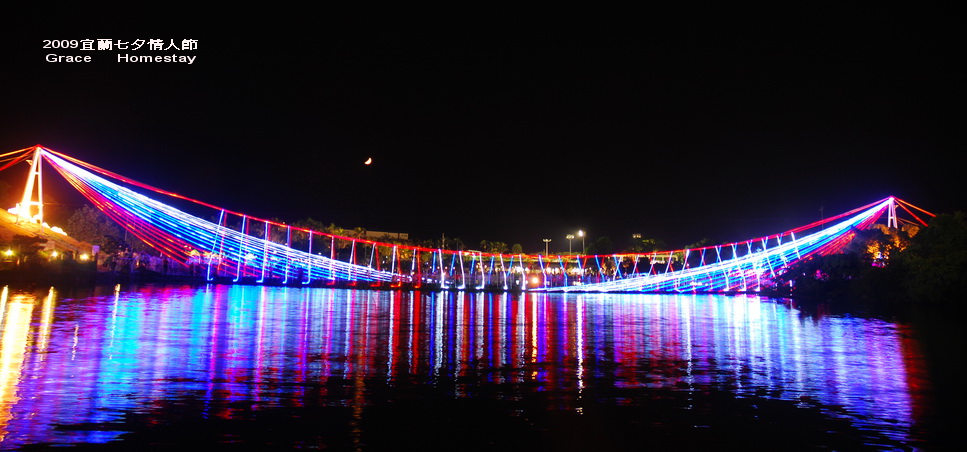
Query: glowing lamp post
{"points": [[546, 242], [581, 234], [569, 237]]}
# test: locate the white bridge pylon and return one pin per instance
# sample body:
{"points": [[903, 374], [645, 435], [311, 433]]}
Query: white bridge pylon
{"points": [[31, 206]]}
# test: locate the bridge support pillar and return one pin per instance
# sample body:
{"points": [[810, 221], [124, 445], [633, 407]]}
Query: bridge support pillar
{"points": [[891, 220], [28, 205]]}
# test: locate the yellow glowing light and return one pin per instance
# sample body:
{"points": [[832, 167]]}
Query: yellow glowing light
{"points": [[368, 161]]}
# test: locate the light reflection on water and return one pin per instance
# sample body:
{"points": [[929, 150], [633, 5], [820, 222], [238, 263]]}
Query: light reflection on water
{"points": [[90, 359]]}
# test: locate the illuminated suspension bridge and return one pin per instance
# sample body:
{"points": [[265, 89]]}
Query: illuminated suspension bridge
{"points": [[237, 248]]}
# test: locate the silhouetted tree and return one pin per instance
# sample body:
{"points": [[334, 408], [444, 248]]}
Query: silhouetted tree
{"points": [[90, 225], [645, 245], [600, 245], [493, 247], [934, 266]]}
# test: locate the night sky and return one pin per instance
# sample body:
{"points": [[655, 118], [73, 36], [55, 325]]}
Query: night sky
{"points": [[510, 125]]}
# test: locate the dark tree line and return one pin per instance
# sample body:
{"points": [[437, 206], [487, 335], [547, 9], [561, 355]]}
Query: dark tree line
{"points": [[887, 270]]}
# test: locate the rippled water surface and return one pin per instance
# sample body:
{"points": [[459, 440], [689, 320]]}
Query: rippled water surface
{"points": [[357, 369]]}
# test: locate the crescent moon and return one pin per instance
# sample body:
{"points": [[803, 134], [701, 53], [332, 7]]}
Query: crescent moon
{"points": [[368, 161]]}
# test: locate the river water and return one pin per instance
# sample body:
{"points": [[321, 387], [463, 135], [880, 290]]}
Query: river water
{"points": [[282, 367]]}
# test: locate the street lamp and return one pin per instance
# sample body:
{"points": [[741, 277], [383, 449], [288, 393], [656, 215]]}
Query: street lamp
{"points": [[581, 234], [546, 241], [569, 237]]}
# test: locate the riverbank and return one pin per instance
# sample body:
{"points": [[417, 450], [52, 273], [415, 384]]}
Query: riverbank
{"points": [[50, 273]]}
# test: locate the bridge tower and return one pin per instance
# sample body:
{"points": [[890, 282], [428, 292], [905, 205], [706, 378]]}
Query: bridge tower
{"points": [[28, 205], [891, 221]]}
